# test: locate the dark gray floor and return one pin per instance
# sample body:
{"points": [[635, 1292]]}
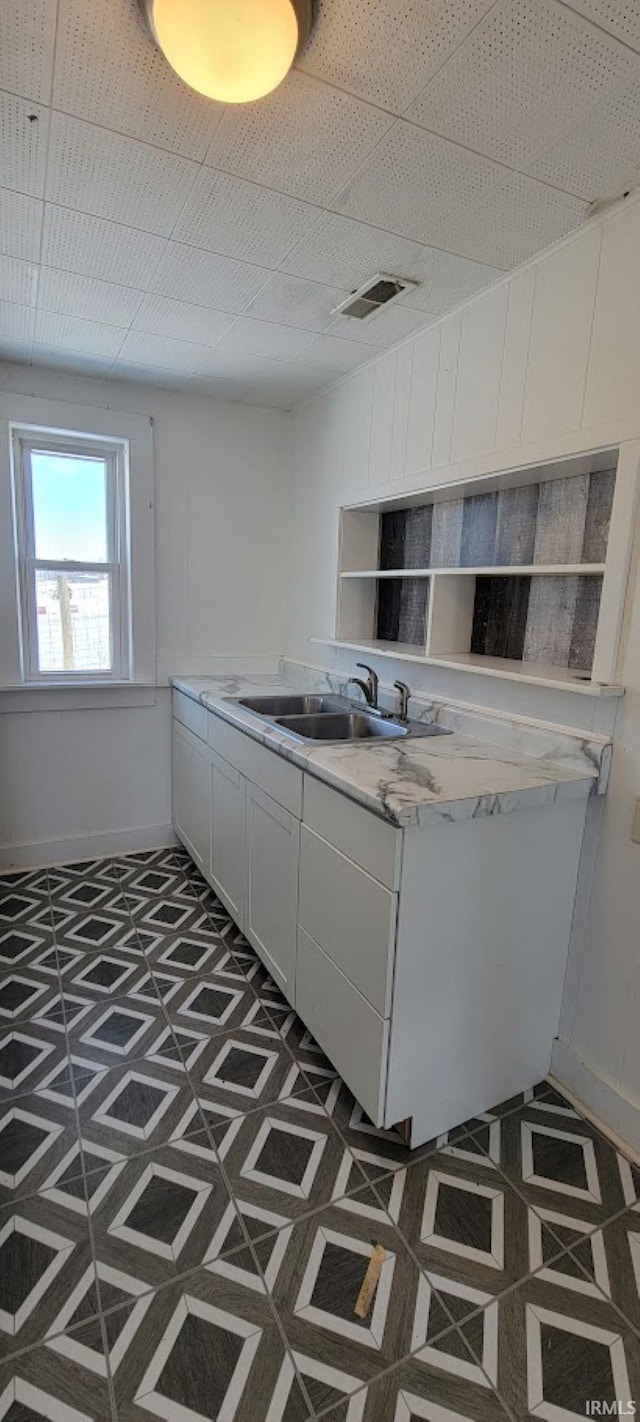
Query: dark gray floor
{"points": [[189, 1197]]}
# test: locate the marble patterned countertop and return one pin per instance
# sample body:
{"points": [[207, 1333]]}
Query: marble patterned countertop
{"points": [[480, 769]]}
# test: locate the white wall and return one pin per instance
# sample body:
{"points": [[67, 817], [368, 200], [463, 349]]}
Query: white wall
{"points": [[545, 363], [79, 781]]}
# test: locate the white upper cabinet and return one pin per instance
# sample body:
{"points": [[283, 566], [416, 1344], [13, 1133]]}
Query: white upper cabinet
{"points": [[382, 415], [613, 379], [422, 401], [560, 335], [514, 359], [446, 389], [479, 370]]}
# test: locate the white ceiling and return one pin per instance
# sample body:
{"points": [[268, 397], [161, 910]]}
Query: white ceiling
{"points": [[148, 234]]}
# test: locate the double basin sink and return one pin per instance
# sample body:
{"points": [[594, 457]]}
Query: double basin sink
{"points": [[332, 718]]}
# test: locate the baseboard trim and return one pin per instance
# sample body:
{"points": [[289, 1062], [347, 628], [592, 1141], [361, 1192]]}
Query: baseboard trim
{"points": [[102, 845], [617, 1115]]}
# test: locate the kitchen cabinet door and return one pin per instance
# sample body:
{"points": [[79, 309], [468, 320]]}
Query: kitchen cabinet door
{"points": [[227, 863], [272, 856], [191, 760]]}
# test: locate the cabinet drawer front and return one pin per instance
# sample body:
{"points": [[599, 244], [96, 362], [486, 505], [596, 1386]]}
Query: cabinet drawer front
{"points": [[277, 777], [353, 1036], [364, 837], [351, 916], [190, 713]]}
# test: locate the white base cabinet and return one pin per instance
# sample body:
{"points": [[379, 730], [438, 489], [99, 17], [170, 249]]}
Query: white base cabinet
{"points": [[227, 839], [428, 963], [272, 852]]}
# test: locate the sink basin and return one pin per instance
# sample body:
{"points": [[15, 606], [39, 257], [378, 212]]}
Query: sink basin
{"points": [[352, 726], [290, 705]]}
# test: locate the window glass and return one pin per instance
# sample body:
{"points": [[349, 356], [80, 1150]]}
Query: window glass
{"points": [[69, 507], [73, 620]]}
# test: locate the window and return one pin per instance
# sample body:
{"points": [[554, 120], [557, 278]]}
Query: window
{"points": [[71, 525]]}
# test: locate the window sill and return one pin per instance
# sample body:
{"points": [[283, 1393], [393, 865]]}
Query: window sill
{"points": [[85, 696]]}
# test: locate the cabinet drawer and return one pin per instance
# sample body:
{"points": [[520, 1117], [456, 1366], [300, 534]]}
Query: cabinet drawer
{"points": [[353, 1036], [364, 837], [265, 768], [350, 915], [190, 713]]}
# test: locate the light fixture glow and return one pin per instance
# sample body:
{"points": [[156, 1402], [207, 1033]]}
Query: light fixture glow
{"points": [[231, 50]]}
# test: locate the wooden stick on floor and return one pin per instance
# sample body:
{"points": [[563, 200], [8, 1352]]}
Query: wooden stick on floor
{"points": [[370, 1282]]}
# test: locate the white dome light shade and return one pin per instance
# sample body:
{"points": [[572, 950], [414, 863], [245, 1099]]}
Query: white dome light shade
{"points": [[230, 50]]}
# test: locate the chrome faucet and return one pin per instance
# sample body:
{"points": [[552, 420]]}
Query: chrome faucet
{"points": [[369, 688], [405, 692]]}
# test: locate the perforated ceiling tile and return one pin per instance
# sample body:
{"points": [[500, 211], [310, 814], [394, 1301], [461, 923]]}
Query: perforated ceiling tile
{"points": [[20, 225], [70, 333], [164, 316], [383, 329], [305, 139], [240, 219], [620, 17], [76, 242], [416, 183], [141, 96], [140, 348], [333, 356], [207, 279], [16, 324], [157, 376], [84, 296], [346, 253], [519, 219], [527, 72], [386, 51], [263, 338], [18, 281], [599, 158], [236, 367], [23, 144], [53, 358], [104, 173], [26, 47], [288, 386], [293, 302]]}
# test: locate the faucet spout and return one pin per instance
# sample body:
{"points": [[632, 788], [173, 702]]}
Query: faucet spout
{"points": [[369, 688]]}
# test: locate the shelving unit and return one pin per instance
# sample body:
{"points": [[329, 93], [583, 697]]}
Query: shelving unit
{"points": [[519, 573]]}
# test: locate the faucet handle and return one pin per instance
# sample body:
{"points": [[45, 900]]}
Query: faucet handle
{"points": [[405, 693]]}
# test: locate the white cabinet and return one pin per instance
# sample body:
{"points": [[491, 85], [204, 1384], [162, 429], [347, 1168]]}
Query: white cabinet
{"points": [[271, 906], [190, 793], [227, 857]]}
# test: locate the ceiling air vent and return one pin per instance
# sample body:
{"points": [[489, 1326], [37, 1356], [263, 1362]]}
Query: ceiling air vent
{"points": [[373, 296]]}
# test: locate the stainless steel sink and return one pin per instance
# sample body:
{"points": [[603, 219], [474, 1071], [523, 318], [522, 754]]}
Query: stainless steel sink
{"points": [[331, 718], [290, 705], [353, 726]]}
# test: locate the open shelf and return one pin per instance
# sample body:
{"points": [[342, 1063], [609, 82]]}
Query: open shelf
{"points": [[519, 573], [501, 570], [535, 673]]}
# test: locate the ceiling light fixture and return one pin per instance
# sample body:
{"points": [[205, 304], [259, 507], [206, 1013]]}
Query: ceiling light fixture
{"points": [[231, 50]]}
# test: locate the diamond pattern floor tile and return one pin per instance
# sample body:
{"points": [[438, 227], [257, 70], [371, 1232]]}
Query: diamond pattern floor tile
{"points": [[191, 1199]]}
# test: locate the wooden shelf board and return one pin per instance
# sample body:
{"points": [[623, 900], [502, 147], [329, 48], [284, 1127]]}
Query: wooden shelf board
{"points": [[501, 570], [533, 673]]}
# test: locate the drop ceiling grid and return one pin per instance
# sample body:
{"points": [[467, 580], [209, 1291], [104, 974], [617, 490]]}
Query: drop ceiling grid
{"points": [[379, 152]]}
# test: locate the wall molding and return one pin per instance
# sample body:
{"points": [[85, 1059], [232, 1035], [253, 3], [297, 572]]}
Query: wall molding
{"points": [[46, 852], [615, 1113]]}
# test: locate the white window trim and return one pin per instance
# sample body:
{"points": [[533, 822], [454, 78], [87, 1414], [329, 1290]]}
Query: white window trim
{"points": [[26, 441], [138, 666]]}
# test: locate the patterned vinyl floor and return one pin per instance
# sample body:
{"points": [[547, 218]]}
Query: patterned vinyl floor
{"points": [[190, 1196]]}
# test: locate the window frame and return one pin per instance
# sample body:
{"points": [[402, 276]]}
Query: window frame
{"points": [[25, 441]]}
